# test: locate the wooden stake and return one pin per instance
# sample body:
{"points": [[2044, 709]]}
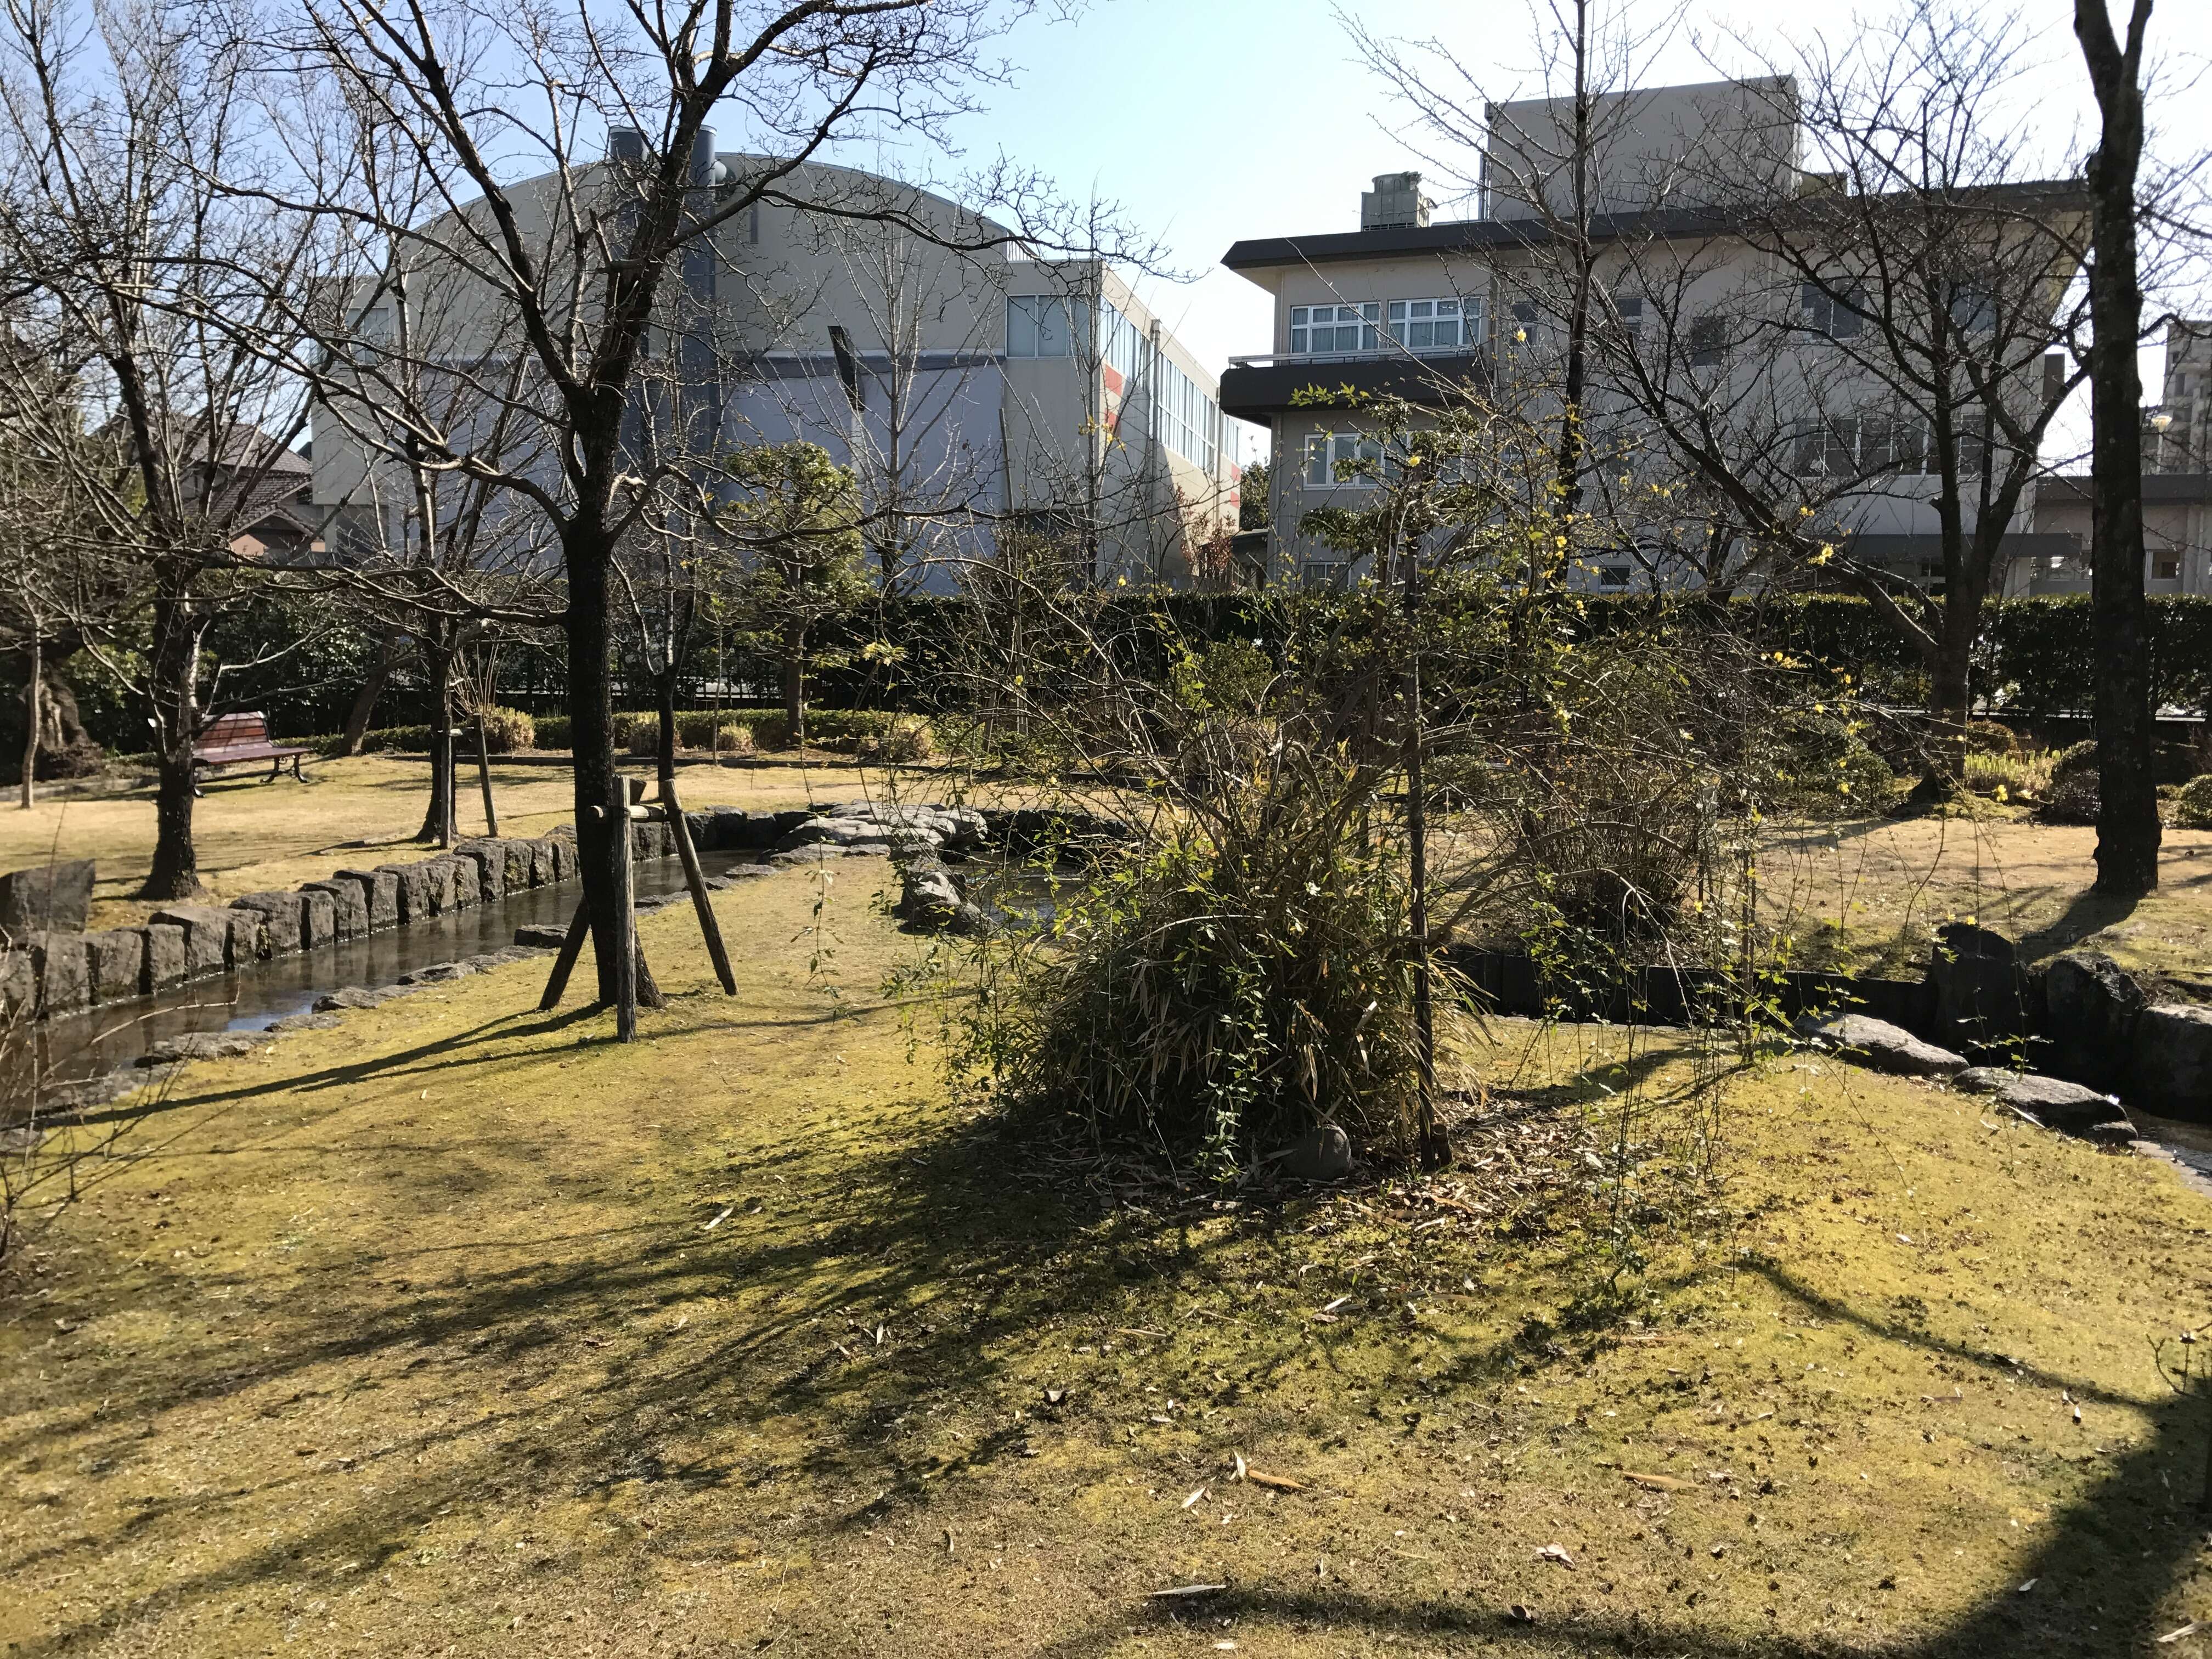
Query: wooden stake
{"points": [[625, 940], [483, 775], [580, 928], [695, 879]]}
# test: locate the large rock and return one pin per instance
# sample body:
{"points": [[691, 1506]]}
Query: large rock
{"points": [[438, 973], [1977, 984], [45, 898], [564, 854], [166, 961], [1883, 1047], [2090, 1009], [64, 963], [207, 936], [2173, 1060], [349, 914], [356, 996], [282, 925], [414, 891], [438, 883], [541, 937], [2050, 1100], [379, 893]]}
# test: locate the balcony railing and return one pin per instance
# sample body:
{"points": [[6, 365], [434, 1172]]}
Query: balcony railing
{"points": [[1380, 354]]}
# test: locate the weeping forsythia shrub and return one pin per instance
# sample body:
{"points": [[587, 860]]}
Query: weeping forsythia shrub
{"points": [[2192, 807]]}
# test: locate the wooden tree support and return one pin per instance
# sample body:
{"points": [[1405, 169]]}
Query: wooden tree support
{"points": [[634, 981]]}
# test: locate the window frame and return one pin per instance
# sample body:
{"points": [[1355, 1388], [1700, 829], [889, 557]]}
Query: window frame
{"points": [[1400, 322], [1338, 448], [1362, 316]]}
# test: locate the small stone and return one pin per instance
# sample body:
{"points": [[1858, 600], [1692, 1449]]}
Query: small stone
{"points": [[353, 996], [1882, 1047], [200, 1045], [1324, 1154], [304, 1022], [438, 973], [541, 936]]}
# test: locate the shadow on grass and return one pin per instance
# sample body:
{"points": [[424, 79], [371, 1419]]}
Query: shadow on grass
{"points": [[925, 1271]]}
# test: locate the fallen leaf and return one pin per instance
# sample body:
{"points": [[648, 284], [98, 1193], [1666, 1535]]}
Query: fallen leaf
{"points": [[1186, 1589], [1053, 1396], [1239, 1475], [1331, 1307], [1657, 1482], [1278, 1482], [728, 1210], [1556, 1553], [1520, 1615], [2188, 1629], [1194, 1498], [2025, 1587]]}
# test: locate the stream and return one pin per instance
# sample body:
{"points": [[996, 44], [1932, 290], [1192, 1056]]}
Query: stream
{"points": [[114, 1034]]}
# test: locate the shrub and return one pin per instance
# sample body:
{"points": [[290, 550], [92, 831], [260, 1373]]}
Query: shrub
{"points": [[552, 731], [1991, 737], [2192, 807], [2076, 791], [507, 730], [736, 737]]}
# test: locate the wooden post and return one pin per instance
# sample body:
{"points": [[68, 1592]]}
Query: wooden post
{"points": [[695, 879], [625, 927], [483, 774], [580, 929]]}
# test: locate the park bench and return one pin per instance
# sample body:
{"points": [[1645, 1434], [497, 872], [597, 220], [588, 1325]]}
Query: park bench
{"points": [[235, 738]]}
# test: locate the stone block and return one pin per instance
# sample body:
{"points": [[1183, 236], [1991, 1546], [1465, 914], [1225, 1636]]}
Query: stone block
{"points": [[45, 898], [167, 961], [467, 892], [542, 872], [249, 936], [518, 863], [283, 929], [207, 936], [2173, 1061], [438, 883], [1323, 1155], [414, 891], [564, 857], [348, 907], [64, 964], [319, 919], [541, 937], [19, 982], [1980, 990], [379, 891], [2052, 1102], [2090, 1010], [119, 963], [490, 858]]}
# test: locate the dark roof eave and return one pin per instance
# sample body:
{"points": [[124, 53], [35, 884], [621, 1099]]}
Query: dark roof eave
{"points": [[1480, 235]]}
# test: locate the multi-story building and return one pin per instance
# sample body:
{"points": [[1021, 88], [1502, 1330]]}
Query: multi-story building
{"points": [[1699, 213], [970, 388]]}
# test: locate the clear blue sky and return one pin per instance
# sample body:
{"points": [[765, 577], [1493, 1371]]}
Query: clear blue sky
{"points": [[1209, 120]]}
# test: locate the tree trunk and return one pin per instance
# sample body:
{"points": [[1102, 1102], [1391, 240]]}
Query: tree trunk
{"points": [[601, 840], [2127, 831], [438, 816], [173, 680], [794, 682], [364, 702], [32, 710]]}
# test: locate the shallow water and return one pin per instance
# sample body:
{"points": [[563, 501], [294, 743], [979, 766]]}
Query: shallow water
{"points": [[249, 999]]}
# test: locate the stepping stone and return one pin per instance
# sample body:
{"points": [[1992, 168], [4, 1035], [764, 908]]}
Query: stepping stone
{"points": [[356, 996], [541, 937], [1882, 1047], [201, 1045], [2050, 1101], [438, 973]]}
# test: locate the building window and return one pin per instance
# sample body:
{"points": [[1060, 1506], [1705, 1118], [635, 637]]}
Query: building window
{"points": [[2166, 567], [1629, 307], [1709, 340], [1836, 314], [1524, 320], [1321, 574], [1316, 329], [1428, 324], [1613, 575], [1189, 422], [1037, 326], [1973, 310], [1328, 451], [374, 327]]}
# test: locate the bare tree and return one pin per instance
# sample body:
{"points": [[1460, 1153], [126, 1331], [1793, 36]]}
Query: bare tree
{"points": [[126, 131], [2127, 831]]}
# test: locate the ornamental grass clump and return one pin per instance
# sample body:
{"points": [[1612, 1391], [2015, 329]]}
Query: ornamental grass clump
{"points": [[1241, 978]]}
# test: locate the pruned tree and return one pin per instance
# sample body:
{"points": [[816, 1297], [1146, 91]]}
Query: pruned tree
{"points": [[416, 127]]}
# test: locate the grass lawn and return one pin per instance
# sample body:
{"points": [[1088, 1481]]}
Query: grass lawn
{"points": [[253, 835], [457, 1330], [1871, 892]]}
